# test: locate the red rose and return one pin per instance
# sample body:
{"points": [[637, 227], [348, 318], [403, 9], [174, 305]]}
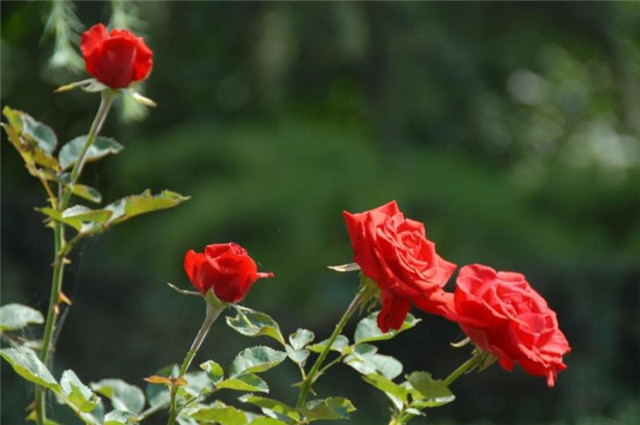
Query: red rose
{"points": [[115, 59], [394, 252], [227, 268], [503, 315]]}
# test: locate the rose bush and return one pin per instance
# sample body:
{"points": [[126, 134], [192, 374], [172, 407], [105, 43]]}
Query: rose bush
{"points": [[395, 253], [506, 317], [227, 268], [117, 58]]}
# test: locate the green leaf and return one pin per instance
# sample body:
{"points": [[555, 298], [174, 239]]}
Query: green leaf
{"points": [[120, 417], [100, 148], [123, 396], [158, 394], [297, 356], [79, 217], [245, 382], [256, 359], [17, 316], [26, 364], [301, 338], [131, 206], [78, 393], [33, 140], [86, 192], [428, 392], [266, 421], [339, 344], [40, 133], [396, 393], [198, 382], [272, 408], [213, 370], [223, 415], [327, 409], [367, 329], [254, 323], [380, 364]]}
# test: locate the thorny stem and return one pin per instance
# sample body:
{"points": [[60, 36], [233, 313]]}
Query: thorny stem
{"points": [[62, 248], [308, 381], [213, 311]]}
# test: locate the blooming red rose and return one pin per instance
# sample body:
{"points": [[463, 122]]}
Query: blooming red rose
{"points": [[227, 268], [117, 58], [394, 252], [504, 316]]}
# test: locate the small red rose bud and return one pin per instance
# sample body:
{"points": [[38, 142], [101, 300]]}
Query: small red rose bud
{"points": [[117, 58], [227, 268]]}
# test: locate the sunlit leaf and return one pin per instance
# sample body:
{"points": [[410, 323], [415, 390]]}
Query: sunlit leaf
{"points": [[78, 393], [297, 356], [79, 217], [123, 396], [266, 421], [86, 192], [367, 329], [17, 316], [134, 205], [339, 344], [245, 382], [254, 323], [397, 393], [26, 364], [380, 364], [213, 370], [256, 359], [428, 392], [223, 415], [100, 148], [301, 338], [273, 408], [327, 409], [120, 417]]}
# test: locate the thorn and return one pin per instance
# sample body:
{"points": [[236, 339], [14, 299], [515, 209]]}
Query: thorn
{"points": [[62, 298]]}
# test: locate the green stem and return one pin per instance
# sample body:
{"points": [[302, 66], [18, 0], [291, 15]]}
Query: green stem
{"points": [[213, 311], [61, 248], [108, 96], [308, 381], [464, 367]]}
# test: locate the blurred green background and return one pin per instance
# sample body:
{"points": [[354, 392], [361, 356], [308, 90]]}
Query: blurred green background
{"points": [[511, 129]]}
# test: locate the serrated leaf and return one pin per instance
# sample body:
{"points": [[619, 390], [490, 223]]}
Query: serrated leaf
{"points": [[120, 417], [396, 393], [256, 359], [131, 206], [100, 148], [367, 329], [26, 364], [245, 382], [297, 356], [339, 344], [272, 408], [78, 393], [301, 338], [254, 323], [40, 133], [380, 364], [17, 316], [223, 415], [34, 142], [86, 192], [213, 370], [428, 392], [79, 217], [123, 396], [327, 409]]}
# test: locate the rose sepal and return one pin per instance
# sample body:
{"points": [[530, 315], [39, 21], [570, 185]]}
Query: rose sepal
{"points": [[213, 301]]}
